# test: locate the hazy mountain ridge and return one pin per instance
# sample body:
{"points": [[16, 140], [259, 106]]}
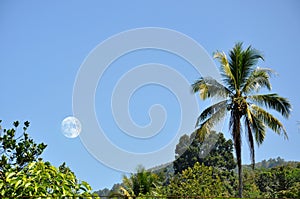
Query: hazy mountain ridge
{"points": [[273, 162]]}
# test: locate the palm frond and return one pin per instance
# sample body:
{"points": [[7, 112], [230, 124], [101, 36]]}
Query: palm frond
{"points": [[205, 127], [273, 101], [249, 59], [208, 112], [250, 139], [259, 78], [258, 128], [234, 62], [209, 88], [242, 62], [269, 120], [226, 73], [235, 56]]}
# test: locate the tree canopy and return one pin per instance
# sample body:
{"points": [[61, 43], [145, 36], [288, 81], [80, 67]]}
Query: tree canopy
{"points": [[140, 183], [199, 180], [214, 151], [41, 179]]}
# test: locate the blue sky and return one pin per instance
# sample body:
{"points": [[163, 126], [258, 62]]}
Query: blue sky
{"points": [[43, 44]]}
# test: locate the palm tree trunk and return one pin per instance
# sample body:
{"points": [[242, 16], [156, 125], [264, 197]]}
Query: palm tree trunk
{"points": [[236, 132], [240, 186]]}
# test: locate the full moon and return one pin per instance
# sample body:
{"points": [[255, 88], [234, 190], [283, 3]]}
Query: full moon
{"points": [[71, 127]]}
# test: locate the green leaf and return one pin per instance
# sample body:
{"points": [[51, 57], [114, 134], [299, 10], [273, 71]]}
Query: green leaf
{"points": [[16, 124], [18, 183], [27, 185], [3, 192], [10, 175], [31, 165]]}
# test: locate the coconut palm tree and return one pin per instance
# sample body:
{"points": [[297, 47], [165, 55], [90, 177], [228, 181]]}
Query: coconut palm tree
{"points": [[239, 99]]}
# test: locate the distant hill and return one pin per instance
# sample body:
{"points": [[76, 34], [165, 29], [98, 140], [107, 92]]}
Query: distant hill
{"points": [[273, 162], [167, 167]]}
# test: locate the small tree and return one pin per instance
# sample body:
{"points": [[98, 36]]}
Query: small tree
{"points": [[23, 174], [42, 179], [18, 150], [140, 183]]}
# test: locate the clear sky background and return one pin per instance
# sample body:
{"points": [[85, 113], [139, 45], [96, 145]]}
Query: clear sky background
{"points": [[43, 44]]}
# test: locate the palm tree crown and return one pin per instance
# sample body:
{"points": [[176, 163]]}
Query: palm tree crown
{"points": [[238, 96]]}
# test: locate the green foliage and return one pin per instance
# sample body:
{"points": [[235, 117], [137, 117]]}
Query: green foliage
{"points": [[202, 181], [23, 175], [199, 180], [140, 183], [42, 179], [215, 151], [282, 182], [18, 151], [250, 189]]}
